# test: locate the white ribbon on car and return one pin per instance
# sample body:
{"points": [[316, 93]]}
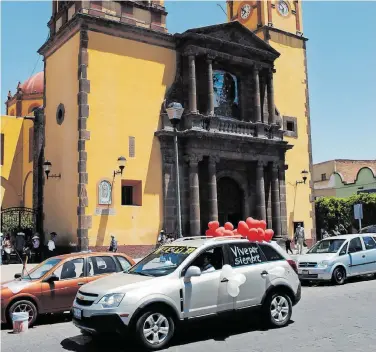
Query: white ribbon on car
{"points": [[234, 280]]}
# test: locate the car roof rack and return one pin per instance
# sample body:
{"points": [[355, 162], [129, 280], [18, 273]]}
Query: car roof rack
{"points": [[193, 238]]}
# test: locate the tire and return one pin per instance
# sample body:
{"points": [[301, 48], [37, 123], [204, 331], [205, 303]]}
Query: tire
{"points": [[154, 329], [339, 276], [24, 306], [277, 309]]}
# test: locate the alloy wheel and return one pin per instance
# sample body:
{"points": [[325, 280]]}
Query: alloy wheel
{"points": [[156, 328], [25, 308], [279, 309]]}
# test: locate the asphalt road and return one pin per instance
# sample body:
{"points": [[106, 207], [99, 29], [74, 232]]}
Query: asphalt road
{"points": [[328, 318]]}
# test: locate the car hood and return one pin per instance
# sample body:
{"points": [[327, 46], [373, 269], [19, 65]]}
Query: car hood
{"points": [[16, 286], [319, 257], [120, 282]]}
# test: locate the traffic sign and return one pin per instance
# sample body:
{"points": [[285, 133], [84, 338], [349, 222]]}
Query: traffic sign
{"points": [[358, 211]]}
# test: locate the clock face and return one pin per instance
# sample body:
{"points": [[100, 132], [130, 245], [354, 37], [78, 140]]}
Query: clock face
{"points": [[245, 11], [283, 8]]}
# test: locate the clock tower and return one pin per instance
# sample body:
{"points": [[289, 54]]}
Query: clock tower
{"points": [[280, 24]]}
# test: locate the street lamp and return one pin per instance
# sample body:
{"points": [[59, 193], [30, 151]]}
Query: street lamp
{"points": [[174, 112], [121, 164], [304, 177], [47, 169]]}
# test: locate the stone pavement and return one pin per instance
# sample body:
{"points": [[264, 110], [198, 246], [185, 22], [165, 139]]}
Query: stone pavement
{"points": [[327, 319]]}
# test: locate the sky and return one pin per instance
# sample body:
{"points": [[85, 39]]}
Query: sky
{"points": [[341, 63]]}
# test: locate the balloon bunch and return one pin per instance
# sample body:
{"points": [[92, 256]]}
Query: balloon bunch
{"points": [[254, 230]]}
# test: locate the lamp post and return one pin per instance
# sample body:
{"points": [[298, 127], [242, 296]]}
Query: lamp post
{"points": [[47, 169], [121, 164], [174, 112], [304, 177]]}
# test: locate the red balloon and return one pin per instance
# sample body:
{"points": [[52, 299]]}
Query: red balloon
{"points": [[262, 224], [252, 234], [260, 234], [269, 233], [228, 233], [235, 232], [252, 223], [229, 226], [213, 225], [243, 228], [219, 231], [249, 221]]}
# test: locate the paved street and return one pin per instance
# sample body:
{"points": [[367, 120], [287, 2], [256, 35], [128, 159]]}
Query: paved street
{"points": [[329, 318]]}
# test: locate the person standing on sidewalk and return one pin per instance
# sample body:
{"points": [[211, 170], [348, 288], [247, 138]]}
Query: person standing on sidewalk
{"points": [[288, 244], [113, 244], [299, 238]]}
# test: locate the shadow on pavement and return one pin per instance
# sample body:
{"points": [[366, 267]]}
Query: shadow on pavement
{"points": [[217, 329], [350, 280]]}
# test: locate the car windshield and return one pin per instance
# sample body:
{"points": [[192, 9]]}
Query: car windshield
{"points": [[41, 269], [327, 246], [162, 261]]}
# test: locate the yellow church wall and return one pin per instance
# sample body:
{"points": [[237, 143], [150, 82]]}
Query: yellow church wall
{"points": [[27, 168], [252, 20], [28, 104], [290, 74], [118, 111], [16, 176], [60, 195], [287, 23]]}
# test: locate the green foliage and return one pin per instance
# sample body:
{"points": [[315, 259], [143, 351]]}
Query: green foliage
{"points": [[331, 211]]}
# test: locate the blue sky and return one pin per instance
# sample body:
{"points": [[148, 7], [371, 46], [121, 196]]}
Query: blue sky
{"points": [[341, 64]]}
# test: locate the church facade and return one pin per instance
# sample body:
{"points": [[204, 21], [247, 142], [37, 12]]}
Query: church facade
{"points": [[111, 68]]}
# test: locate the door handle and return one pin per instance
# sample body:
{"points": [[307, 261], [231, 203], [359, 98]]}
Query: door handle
{"points": [[224, 280], [81, 283], [264, 273], [363, 256]]}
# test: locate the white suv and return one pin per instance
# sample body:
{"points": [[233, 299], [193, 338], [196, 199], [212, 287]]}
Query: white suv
{"points": [[186, 279]]}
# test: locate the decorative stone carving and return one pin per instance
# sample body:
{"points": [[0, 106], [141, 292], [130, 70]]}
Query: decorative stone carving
{"points": [[104, 193]]}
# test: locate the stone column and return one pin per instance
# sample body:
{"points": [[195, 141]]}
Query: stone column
{"points": [[276, 202], [260, 190], [192, 84], [169, 197], [270, 90], [256, 93], [194, 196], [282, 197], [210, 86], [212, 184]]}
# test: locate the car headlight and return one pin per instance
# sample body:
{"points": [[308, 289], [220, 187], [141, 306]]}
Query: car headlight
{"points": [[324, 264], [111, 300]]}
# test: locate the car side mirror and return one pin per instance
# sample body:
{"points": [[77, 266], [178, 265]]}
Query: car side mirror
{"points": [[17, 276], [192, 271], [51, 278]]}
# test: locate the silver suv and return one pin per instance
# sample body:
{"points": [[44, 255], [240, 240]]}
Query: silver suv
{"points": [[187, 279]]}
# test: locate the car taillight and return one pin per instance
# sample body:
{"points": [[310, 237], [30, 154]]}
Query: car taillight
{"points": [[293, 265]]}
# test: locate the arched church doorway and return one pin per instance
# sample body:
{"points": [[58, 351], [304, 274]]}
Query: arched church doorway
{"points": [[230, 201]]}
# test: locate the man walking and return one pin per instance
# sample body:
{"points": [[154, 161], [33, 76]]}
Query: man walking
{"points": [[288, 244], [299, 238]]}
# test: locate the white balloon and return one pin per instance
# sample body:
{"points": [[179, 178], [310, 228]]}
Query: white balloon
{"points": [[240, 278], [227, 272], [233, 289]]}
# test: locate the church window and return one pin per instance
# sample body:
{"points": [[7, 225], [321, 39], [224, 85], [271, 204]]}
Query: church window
{"points": [[60, 113], [226, 98], [131, 192], [323, 177], [104, 193], [290, 126]]}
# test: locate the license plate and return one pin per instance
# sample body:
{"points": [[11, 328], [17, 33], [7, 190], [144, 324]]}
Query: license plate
{"points": [[305, 272], [77, 313]]}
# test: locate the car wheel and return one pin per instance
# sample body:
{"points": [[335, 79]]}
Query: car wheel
{"points": [[278, 309], [155, 329], [24, 306], [339, 276]]}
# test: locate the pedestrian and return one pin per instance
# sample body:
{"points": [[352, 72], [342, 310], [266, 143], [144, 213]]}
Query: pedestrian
{"points": [[52, 245], [336, 232], [342, 229], [299, 238], [20, 245], [36, 248], [1, 248], [324, 234], [288, 244], [7, 247], [113, 244]]}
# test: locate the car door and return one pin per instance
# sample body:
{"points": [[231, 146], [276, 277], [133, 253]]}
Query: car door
{"points": [[246, 258], [101, 265], [206, 294], [370, 253], [357, 257], [59, 295]]}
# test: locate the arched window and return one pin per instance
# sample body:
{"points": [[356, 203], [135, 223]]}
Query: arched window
{"points": [[104, 193], [32, 107], [226, 98]]}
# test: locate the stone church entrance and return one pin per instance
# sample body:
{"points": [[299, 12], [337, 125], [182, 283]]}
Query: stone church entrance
{"points": [[230, 201]]}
